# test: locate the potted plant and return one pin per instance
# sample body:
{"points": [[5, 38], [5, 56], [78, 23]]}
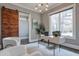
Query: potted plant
{"points": [[40, 29], [56, 33]]}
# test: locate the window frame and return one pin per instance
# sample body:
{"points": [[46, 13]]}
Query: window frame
{"points": [[72, 20], [73, 6]]}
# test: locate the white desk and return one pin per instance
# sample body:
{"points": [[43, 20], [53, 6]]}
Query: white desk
{"points": [[52, 39]]}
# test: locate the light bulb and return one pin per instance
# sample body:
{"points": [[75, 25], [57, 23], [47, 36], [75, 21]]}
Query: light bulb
{"points": [[36, 8], [46, 9], [40, 10], [46, 5], [39, 4]]}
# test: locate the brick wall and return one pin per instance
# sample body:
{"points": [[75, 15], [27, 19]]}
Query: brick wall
{"points": [[9, 24]]}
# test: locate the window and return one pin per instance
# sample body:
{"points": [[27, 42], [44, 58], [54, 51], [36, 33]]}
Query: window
{"points": [[66, 22], [23, 25], [54, 23], [62, 21]]}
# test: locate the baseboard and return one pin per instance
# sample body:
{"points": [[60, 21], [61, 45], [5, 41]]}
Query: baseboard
{"points": [[68, 45], [71, 46]]}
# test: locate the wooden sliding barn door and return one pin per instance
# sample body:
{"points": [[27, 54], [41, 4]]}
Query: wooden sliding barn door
{"points": [[9, 22]]}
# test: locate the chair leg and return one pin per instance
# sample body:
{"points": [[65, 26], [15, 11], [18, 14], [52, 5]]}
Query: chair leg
{"points": [[48, 42], [54, 50], [38, 43]]}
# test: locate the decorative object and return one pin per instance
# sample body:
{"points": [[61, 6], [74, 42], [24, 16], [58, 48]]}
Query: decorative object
{"points": [[40, 29], [56, 33], [46, 33]]}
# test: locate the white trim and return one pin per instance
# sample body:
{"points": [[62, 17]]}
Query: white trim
{"points": [[74, 21], [30, 17], [49, 25]]}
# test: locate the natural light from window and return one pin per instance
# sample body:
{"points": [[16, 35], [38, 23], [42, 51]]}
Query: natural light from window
{"points": [[63, 22]]}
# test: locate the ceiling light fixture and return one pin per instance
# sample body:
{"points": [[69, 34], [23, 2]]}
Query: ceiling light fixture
{"points": [[41, 7]]}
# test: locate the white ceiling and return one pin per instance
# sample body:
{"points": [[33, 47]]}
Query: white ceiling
{"points": [[31, 6]]}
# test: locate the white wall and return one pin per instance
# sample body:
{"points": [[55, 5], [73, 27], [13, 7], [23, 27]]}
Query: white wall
{"points": [[45, 21], [33, 15], [76, 42]]}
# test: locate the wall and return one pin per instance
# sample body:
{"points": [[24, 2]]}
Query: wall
{"points": [[76, 42], [9, 22], [0, 25], [33, 15], [45, 21]]}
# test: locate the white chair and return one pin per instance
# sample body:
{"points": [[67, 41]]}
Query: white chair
{"points": [[11, 41]]}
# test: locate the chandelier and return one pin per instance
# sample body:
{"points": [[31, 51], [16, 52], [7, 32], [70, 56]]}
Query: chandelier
{"points": [[41, 7]]}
